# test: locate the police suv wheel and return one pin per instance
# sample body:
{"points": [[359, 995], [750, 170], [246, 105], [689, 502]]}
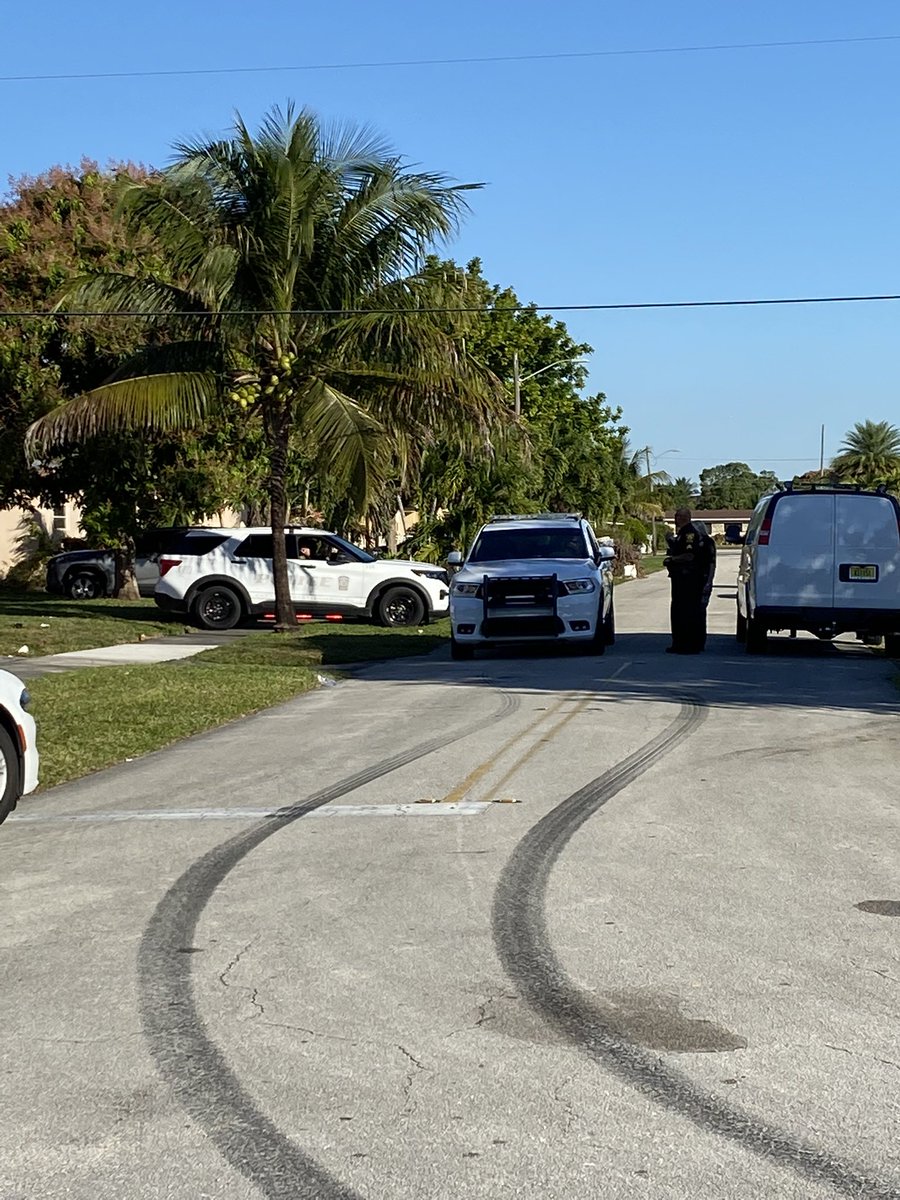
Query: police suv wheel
{"points": [[460, 652], [609, 626], [401, 607], [218, 608]]}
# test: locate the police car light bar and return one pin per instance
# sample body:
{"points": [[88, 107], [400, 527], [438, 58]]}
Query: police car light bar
{"points": [[535, 517]]}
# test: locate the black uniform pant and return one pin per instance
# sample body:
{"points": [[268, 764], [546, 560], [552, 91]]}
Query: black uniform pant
{"points": [[688, 614]]}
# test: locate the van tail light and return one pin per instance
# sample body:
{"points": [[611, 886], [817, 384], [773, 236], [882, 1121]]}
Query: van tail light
{"points": [[764, 531], [166, 565]]}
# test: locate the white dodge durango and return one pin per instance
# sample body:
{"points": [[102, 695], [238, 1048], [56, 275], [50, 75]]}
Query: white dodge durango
{"points": [[542, 578]]}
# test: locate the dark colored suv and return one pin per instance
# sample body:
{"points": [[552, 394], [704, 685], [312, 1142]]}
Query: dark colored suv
{"points": [[91, 574]]}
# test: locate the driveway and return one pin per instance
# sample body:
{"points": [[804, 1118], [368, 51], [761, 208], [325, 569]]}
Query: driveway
{"points": [[669, 970]]}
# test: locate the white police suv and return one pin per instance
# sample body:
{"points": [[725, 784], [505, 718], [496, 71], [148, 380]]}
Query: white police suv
{"points": [[232, 580], [543, 578]]}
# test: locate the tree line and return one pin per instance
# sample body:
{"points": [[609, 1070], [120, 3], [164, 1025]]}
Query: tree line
{"points": [[267, 326]]}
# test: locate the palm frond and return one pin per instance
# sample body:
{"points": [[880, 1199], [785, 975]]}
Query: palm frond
{"points": [[163, 388], [351, 444], [162, 403]]}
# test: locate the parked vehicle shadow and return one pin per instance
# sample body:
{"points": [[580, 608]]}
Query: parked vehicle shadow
{"points": [[800, 672]]}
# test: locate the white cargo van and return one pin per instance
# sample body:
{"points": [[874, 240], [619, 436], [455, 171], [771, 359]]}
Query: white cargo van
{"points": [[821, 559]]}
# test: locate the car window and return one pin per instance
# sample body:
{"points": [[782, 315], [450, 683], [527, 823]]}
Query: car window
{"points": [[315, 549], [496, 545], [197, 543], [259, 545]]}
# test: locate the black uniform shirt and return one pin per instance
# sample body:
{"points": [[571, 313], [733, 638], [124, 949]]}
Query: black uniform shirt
{"points": [[696, 542]]}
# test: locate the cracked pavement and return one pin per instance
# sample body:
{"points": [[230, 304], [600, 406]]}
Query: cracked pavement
{"points": [[345, 969]]}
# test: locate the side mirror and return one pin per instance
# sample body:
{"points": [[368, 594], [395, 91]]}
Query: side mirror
{"points": [[606, 554], [454, 559]]}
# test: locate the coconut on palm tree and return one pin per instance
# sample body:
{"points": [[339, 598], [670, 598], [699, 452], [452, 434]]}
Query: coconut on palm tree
{"points": [[870, 455], [300, 296]]}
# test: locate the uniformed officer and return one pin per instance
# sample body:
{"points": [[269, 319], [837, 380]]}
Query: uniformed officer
{"points": [[691, 563]]}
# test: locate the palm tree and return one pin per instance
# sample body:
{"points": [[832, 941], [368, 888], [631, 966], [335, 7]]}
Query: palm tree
{"points": [[870, 454], [300, 295]]}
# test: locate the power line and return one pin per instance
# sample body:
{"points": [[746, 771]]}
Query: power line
{"points": [[396, 312], [453, 62]]}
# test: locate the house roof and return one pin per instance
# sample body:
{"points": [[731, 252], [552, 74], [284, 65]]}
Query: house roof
{"points": [[717, 514]]}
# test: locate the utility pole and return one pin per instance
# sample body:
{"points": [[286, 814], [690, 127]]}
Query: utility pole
{"points": [[517, 385], [822, 453]]}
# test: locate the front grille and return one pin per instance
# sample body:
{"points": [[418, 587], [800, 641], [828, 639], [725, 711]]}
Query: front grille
{"points": [[521, 627], [526, 591]]}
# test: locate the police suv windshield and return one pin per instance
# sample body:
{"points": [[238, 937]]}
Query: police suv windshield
{"points": [[496, 545]]}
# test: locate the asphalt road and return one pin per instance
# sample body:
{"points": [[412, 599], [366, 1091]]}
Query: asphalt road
{"points": [[671, 970]]}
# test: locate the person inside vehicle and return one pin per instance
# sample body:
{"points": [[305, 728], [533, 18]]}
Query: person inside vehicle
{"points": [[691, 564]]}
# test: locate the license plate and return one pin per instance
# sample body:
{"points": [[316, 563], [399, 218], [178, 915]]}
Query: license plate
{"points": [[863, 574]]}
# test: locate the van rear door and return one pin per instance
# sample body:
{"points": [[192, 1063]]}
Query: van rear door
{"points": [[796, 569], [867, 553]]}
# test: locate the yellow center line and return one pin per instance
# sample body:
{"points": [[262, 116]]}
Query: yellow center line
{"points": [[533, 749], [478, 773]]}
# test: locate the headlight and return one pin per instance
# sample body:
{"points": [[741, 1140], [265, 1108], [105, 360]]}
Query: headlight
{"points": [[467, 589], [25, 698], [579, 585], [437, 573]]}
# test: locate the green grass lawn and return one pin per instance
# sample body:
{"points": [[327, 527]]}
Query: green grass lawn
{"points": [[98, 716], [53, 625], [651, 563], [323, 644]]}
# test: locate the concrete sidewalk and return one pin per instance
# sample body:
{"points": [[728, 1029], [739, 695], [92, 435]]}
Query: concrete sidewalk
{"points": [[154, 650]]}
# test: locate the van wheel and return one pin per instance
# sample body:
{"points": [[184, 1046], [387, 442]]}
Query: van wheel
{"points": [[757, 637], [740, 630], [892, 645]]}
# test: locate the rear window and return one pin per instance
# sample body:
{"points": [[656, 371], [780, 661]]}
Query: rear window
{"points": [[866, 521], [805, 522], [194, 543]]}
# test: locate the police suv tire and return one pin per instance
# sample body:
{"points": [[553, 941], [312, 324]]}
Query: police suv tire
{"points": [[84, 585], [892, 645], [460, 652], [740, 629], [401, 607], [609, 625], [10, 761], [217, 608], [757, 637]]}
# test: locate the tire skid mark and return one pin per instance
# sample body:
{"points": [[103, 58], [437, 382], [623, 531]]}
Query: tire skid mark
{"points": [[184, 1053], [526, 953]]}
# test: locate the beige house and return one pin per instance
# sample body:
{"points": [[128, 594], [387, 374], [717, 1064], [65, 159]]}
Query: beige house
{"points": [[62, 522]]}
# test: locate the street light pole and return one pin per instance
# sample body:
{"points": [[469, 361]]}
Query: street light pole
{"points": [[519, 379], [652, 515]]}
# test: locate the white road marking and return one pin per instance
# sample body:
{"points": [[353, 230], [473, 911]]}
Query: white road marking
{"points": [[615, 675], [463, 808]]}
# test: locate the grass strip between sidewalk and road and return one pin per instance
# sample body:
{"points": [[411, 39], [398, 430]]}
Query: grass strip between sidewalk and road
{"points": [[95, 717]]}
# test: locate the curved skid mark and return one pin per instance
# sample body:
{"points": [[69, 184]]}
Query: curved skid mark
{"points": [[527, 956], [183, 1051]]}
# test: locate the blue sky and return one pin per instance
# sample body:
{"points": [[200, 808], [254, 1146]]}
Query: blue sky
{"points": [[738, 173]]}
